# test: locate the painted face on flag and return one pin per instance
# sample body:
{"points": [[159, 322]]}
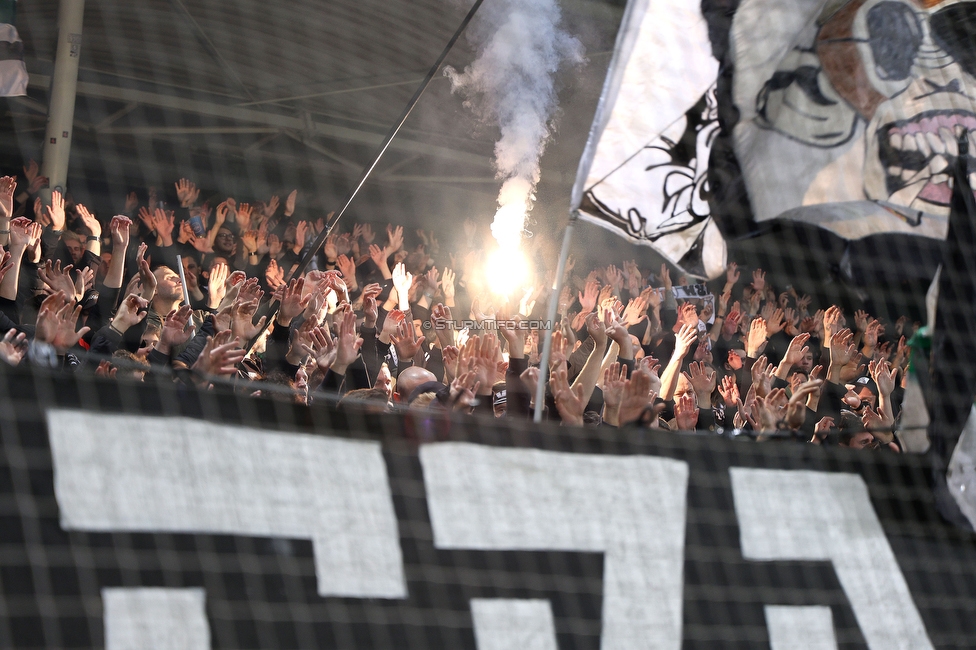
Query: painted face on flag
{"points": [[870, 97]]}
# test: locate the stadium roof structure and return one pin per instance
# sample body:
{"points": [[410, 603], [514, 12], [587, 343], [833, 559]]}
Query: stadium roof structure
{"points": [[254, 97]]}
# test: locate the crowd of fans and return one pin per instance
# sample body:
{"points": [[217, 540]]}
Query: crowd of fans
{"points": [[393, 320]]}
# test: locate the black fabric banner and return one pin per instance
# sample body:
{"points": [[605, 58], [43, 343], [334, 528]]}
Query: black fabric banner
{"points": [[451, 535]]}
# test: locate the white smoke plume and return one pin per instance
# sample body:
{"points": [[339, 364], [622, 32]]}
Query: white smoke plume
{"points": [[520, 45]]}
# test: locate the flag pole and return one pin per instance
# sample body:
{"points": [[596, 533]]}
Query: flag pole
{"points": [[557, 288], [64, 85], [368, 171]]}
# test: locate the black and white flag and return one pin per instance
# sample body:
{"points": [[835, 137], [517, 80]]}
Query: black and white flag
{"points": [[13, 72], [644, 171]]}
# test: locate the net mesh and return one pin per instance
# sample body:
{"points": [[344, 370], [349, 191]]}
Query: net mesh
{"points": [[253, 100]]}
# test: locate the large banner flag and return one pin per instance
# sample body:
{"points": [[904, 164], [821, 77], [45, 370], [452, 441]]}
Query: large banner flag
{"points": [[849, 110], [644, 171], [13, 72], [141, 516], [841, 114]]}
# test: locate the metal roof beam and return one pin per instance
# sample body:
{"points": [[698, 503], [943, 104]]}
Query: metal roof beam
{"points": [[278, 121]]}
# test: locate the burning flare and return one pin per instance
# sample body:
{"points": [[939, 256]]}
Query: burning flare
{"points": [[520, 46]]}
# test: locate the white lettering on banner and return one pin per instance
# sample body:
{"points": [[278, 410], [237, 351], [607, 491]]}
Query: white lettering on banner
{"points": [[136, 473], [630, 507], [504, 624], [805, 515], [800, 628], [162, 619]]}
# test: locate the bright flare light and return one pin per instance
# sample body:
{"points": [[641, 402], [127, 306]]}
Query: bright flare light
{"points": [[506, 271], [509, 223]]}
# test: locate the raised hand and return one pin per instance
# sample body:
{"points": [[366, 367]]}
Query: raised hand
{"points": [[290, 202], [731, 325], [406, 341], [569, 401], [773, 318], [758, 280], [268, 209], [729, 390], [833, 320], [20, 233], [220, 356], [56, 322], [822, 429], [132, 311], [217, 287], [686, 413], [615, 278], [55, 212], [762, 376], [242, 320], [588, 296], [395, 236], [794, 354], [323, 347], [702, 380], [8, 185], [348, 343], [686, 337], [688, 314], [370, 308], [146, 277], [347, 266], [618, 333], [56, 279], [244, 213], [274, 275], [89, 220], [757, 337], [402, 281], [636, 397], [842, 348], [176, 329], [164, 223], [119, 228], [734, 361], [187, 192], [614, 381], [635, 312], [873, 330], [377, 254], [292, 302], [367, 234], [883, 375], [875, 422], [731, 274], [666, 277], [13, 347], [447, 285], [251, 291]]}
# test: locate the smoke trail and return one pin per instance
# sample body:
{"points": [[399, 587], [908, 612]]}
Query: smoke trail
{"points": [[520, 46]]}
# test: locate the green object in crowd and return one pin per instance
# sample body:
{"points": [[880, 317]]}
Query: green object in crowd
{"points": [[8, 11]]}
